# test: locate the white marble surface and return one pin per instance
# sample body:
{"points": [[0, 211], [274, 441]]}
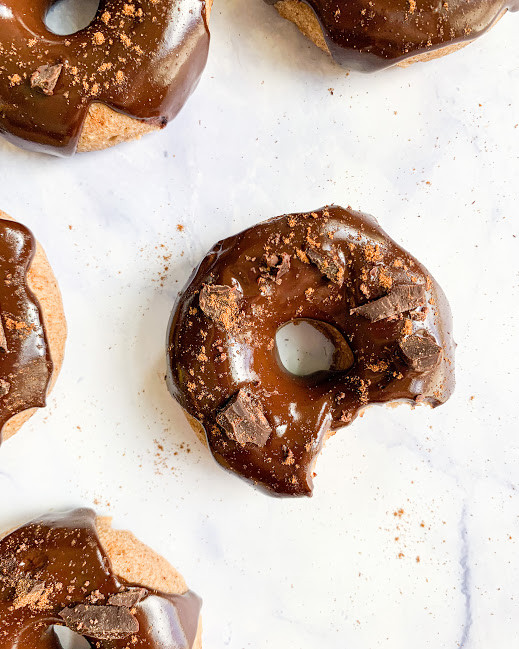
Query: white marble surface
{"points": [[432, 152]]}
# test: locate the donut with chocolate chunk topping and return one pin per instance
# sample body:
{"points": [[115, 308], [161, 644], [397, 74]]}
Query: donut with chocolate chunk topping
{"points": [[337, 270], [72, 569]]}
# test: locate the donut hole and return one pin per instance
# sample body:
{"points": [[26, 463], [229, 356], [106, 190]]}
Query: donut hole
{"points": [[67, 17], [68, 639], [307, 347]]}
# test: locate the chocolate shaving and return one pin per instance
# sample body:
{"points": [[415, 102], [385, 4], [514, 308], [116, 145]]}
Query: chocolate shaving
{"points": [[46, 77], [328, 262], [400, 299], [243, 420], [127, 598], [3, 339], [5, 386], [220, 303], [420, 352], [100, 622], [275, 266]]}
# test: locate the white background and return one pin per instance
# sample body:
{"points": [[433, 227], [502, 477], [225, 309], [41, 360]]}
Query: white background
{"points": [[431, 151]]}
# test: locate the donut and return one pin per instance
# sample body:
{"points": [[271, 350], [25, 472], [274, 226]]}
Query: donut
{"points": [[72, 569], [369, 36], [337, 270], [127, 73], [33, 329]]}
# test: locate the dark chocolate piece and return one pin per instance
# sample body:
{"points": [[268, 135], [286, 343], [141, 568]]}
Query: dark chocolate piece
{"points": [[74, 573], [46, 77], [328, 262], [5, 386], [400, 299], [420, 352], [28, 591], [275, 266], [244, 421], [371, 35], [100, 622], [127, 598], [8, 566], [220, 303], [3, 340]]}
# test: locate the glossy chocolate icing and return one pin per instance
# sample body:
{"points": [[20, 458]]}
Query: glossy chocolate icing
{"points": [[370, 35], [142, 59], [26, 367], [62, 556], [208, 362]]}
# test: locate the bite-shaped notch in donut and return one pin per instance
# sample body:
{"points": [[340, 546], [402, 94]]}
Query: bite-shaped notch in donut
{"points": [[33, 329], [336, 269], [370, 35], [127, 73], [73, 570]]}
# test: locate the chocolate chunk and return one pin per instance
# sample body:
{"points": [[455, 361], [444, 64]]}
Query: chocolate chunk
{"points": [[46, 77], [328, 262], [275, 266], [28, 592], [3, 340], [420, 352], [243, 420], [5, 386], [220, 303], [8, 567], [100, 622], [127, 598], [400, 299]]}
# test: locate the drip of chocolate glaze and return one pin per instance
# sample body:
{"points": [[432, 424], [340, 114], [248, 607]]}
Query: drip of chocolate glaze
{"points": [[209, 362], [368, 36], [61, 556], [142, 59], [25, 362]]}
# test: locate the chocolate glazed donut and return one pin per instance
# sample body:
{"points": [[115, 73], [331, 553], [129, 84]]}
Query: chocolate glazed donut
{"points": [[335, 268], [32, 326], [141, 59], [56, 571], [371, 35]]}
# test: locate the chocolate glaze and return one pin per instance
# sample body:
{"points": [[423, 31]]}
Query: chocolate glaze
{"points": [[144, 64], [26, 366], [63, 552], [208, 362], [368, 36]]}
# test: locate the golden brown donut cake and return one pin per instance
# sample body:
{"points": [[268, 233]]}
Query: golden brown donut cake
{"points": [[336, 269], [33, 329], [370, 35], [72, 569], [127, 73]]}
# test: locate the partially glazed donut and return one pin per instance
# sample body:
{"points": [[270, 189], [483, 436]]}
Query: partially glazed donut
{"points": [[370, 35], [336, 268], [129, 72], [72, 569], [33, 328]]}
